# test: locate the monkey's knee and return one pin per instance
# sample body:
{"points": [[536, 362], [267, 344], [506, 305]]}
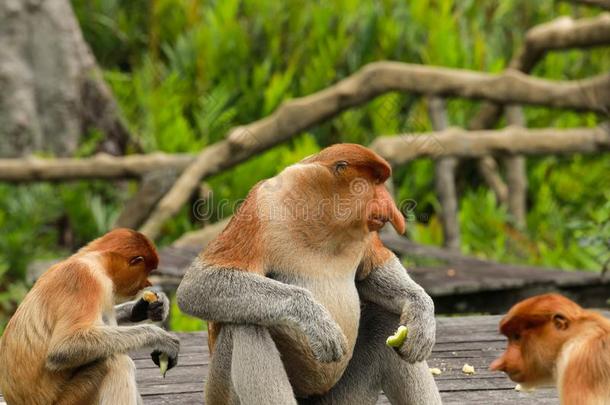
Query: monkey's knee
{"points": [[255, 362], [410, 384], [119, 385]]}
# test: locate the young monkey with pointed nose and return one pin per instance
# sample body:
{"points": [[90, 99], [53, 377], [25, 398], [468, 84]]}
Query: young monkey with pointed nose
{"points": [[554, 341], [301, 294]]}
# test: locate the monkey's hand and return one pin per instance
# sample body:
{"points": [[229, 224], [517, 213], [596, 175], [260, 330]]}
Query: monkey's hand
{"points": [[418, 317], [153, 305], [326, 338], [168, 344]]}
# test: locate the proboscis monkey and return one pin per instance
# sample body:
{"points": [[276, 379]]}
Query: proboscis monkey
{"points": [[553, 341], [302, 294], [63, 345]]}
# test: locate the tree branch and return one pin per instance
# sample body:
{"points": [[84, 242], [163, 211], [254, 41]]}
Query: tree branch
{"points": [[605, 4], [101, 166], [562, 33], [444, 180], [516, 174], [511, 140], [374, 79]]}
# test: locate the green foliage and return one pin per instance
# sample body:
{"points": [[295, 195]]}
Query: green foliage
{"points": [[185, 71], [184, 323]]}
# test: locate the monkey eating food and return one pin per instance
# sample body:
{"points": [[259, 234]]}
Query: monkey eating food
{"points": [[63, 345], [301, 294]]}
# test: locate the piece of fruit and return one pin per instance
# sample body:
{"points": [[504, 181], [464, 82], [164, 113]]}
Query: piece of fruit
{"points": [[149, 296], [163, 363], [468, 369], [435, 371], [397, 339]]}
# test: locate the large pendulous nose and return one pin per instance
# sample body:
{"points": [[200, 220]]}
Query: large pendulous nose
{"points": [[497, 364], [387, 208]]}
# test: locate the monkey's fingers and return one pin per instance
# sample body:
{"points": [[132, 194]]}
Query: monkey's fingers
{"points": [[156, 311], [139, 312]]}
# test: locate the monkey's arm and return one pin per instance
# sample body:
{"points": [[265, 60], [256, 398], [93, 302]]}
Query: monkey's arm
{"points": [[140, 310], [389, 286], [86, 344], [241, 297]]}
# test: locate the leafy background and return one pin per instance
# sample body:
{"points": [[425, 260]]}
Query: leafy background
{"points": [[184, 71]]}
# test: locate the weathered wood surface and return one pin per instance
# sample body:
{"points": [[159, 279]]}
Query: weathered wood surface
{"points": [[473, 340], [467, 285]]}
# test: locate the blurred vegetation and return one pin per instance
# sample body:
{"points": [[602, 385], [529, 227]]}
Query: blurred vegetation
{"points": [[184, 71]]}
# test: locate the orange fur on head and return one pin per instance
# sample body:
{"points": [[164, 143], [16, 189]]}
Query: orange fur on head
{"points": [[552, 340], [128, 256]]}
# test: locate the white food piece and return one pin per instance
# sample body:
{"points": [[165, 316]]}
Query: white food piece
{"points": [[435, 371], [163, 363], [521, 388], [468, 369]]}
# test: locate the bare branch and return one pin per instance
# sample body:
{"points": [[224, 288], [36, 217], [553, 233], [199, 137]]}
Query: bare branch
{"points": [[516, 174], [457, 142], [153, 186], [444, 181], [372, 80], [605, 4], [101, 166], [562, 33]]}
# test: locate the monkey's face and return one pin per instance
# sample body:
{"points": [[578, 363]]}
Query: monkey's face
{"points": [[130, 257], [537, 329], [355, 176], [129, 274]]}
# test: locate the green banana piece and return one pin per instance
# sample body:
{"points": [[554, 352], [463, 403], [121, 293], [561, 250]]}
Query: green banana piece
{"points": [[397, 339], [163, 363]]}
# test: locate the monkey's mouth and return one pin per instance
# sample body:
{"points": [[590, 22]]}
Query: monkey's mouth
{"points": [[376, 222], [514, 375]]}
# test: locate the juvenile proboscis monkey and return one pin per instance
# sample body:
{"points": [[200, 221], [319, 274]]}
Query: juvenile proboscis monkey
{"points": [[301, 293], [63, 345], [553, 341]]}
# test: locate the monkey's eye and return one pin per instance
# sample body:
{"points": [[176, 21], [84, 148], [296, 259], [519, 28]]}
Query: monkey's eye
{"points": [[340, 166], [136, 260], [516, 337]]}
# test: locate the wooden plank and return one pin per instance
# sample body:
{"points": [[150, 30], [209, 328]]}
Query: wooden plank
{"points": [[473, 340], [468, 285]]}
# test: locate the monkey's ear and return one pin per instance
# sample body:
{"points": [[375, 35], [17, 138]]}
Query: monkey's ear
{"points": [[560, 322]]}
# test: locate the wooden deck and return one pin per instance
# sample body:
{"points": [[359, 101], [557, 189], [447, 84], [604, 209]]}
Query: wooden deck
{"points": [[473, 340], [466, 285]]}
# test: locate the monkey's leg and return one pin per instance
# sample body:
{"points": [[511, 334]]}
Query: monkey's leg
{"points": [[219, 388], [375, 367], [402, 382], [247, 369], [83, 387], [119, 385]]}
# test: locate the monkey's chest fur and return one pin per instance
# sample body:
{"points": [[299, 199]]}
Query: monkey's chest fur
{"points": [[338, 294]]}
